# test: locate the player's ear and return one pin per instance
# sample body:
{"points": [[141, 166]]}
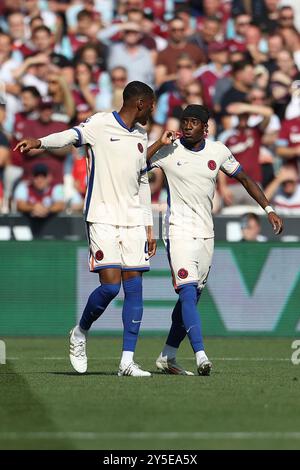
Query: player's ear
{"points": [[140, 104], [206, 129]]}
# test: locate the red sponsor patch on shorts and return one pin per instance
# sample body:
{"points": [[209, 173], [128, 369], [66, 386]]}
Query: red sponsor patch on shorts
{"points": [[183, 273], [140, 147], [99, 255], [212, 165]]}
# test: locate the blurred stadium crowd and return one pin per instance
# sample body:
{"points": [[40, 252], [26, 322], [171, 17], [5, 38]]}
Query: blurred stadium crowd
{"points": [[63, 60]]}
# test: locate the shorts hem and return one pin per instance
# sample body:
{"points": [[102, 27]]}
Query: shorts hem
{"points": [[141, 268], [195, 283], [98, 268]]}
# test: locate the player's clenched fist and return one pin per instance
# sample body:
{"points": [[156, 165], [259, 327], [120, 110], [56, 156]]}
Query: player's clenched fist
{"points": [[27, 145], [169, 137]]}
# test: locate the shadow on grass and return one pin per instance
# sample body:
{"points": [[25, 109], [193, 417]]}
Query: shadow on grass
{"points": [[76, 374]]}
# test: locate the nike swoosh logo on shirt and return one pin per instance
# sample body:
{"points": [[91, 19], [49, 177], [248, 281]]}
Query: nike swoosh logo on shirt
{"points": [[181, 163], [136, 321], [113, 140]]}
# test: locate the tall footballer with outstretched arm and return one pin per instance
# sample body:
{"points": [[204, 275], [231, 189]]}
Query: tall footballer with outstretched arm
{"points": [[117, 209], [191, 165]]}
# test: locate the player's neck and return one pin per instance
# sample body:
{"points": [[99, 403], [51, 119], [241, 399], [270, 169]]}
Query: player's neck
{"points": [[127, 118], [195, 147]]}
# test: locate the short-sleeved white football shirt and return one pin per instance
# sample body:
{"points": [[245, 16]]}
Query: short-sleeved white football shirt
{"points": [[116, 166], [191, 177]]}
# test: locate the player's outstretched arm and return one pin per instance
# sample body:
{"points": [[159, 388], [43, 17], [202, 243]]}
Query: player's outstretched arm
{"points": [[256, 193], [167, 138], [53, 141], [28, 144]]}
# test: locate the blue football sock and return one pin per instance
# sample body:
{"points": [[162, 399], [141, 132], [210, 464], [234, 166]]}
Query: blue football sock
{"points": [[132, 311], [97, 303], [177, 331], [190, 316]]}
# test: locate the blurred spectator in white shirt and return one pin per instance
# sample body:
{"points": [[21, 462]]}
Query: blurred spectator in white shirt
{"points": [[284, 191]]}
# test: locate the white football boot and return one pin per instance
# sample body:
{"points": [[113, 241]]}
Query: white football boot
{"points": [[204, 367], [133, 370], [78, 356], [171, 366]]}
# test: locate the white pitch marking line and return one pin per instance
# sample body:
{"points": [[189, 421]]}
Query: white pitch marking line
{"points": [[150, 435], [250, 359]]}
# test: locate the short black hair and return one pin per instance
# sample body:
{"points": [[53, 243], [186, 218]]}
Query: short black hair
{"points": [[40, 169], [240, 65], [137, 89], [197, 111], [31, 89]]}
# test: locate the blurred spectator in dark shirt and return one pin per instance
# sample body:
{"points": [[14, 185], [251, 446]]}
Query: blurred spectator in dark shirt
{"points": [[243, 80], [275, 45], [224, 83], [256, 44], [268, 20], [39, 196]]}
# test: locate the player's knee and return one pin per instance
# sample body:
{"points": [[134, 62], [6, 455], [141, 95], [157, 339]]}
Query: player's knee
{"points": [[188, 293], [133, 285], [110, 290]]}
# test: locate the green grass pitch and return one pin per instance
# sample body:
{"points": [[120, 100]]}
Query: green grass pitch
{"points": [[251, 400]]}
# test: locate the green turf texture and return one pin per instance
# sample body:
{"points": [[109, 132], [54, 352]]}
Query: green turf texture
{"points": [[254, 390]]}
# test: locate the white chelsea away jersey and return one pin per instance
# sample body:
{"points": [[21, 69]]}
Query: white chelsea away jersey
{"points": [[191, 177], [116, 168]]}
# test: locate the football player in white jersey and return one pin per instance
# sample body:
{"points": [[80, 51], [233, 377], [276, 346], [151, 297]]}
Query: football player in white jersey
{"points": [[117, 210], [191, 165]]}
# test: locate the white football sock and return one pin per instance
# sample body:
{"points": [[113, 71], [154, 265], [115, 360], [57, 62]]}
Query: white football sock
{"points": [[200, 357], [79, 333], [169, 352], [127, 357]]}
